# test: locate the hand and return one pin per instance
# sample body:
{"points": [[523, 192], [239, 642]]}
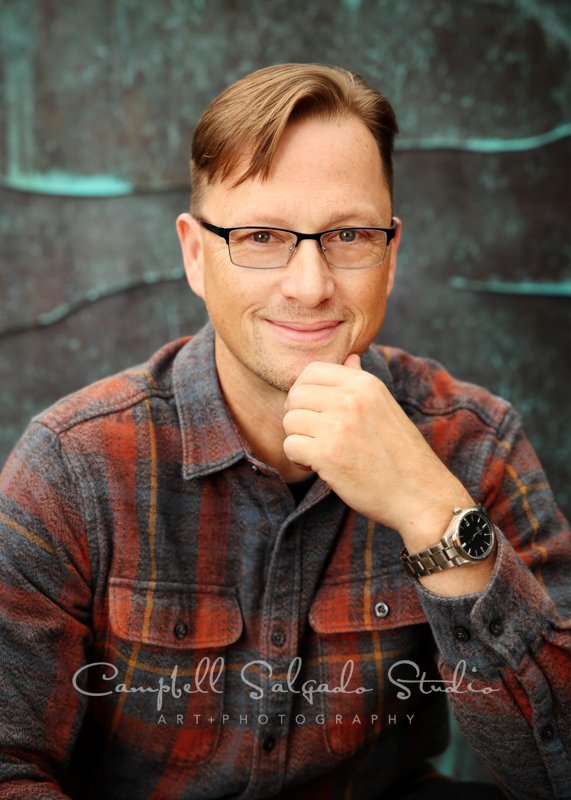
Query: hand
{"points": [[344, 423]]}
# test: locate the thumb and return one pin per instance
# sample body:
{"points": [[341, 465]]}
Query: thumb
{"points": [[352, 361]]}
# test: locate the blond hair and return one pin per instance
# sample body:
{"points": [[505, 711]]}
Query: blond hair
{"points": [[242, 127]]}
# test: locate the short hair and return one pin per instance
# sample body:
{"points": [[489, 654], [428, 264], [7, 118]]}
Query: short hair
{"points": [[243, 126]]}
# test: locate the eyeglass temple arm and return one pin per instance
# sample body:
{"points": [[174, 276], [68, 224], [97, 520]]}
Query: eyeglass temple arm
{"points": [[223, 232]]}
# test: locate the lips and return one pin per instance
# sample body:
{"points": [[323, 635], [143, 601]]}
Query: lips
{"points": [[307, 326], [304, 332]]}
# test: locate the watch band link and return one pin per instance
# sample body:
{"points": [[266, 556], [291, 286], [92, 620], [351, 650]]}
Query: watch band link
{"points": [[434, 559]]}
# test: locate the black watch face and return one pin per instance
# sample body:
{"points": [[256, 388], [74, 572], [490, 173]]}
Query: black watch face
{"points": [[476, 535]]}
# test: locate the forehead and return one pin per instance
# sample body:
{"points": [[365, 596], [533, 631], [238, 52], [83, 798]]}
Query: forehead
{"points": [[322, 169]]}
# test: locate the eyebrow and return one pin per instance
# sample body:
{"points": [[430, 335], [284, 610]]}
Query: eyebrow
{"points": [[339, 221]]}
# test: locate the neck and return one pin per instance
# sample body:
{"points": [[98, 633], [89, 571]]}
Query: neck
{"points": [[258, 411]]}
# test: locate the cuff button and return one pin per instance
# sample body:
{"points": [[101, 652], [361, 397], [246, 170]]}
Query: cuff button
{"points": [[495, 627]]}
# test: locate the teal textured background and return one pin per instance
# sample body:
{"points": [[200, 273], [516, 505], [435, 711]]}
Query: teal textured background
{"points": [[98, 103]]}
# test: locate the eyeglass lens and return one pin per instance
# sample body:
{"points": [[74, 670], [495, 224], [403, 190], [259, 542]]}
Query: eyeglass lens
{"points": [[349, 248]]}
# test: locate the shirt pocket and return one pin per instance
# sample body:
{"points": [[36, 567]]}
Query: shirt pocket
{"points": [[359, 627], [169, 641]]}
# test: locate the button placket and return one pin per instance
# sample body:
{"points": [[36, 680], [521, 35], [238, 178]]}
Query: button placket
{"points": [[279, 648]]}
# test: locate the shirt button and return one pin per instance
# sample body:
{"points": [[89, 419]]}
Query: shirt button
{"points": [[269, 744], [278, 638], [180, 630], [496, 628], [381, 610], [460, 634], [547, 732], [255, 468]]}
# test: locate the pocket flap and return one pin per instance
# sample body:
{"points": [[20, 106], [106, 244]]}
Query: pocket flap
{"points": [[366, 604], [174, 615]]}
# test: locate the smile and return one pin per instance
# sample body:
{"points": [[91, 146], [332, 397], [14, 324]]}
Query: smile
{"points": [[304, 332]]}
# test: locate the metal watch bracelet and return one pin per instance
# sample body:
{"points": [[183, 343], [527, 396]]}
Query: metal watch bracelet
{"points": [[434, 559], [441, 556]]}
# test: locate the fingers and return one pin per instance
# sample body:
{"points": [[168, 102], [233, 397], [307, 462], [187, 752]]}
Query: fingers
{"points": [[322, 373], [302, 466], [353, 361], [309, 396], [300, 450], [317, 390], [312, 388], [302, 421]]}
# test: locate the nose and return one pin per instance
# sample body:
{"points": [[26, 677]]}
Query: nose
{"points": [[307, 277]]}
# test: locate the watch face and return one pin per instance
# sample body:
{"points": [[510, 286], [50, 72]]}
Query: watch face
{"points": [[476, 535]]}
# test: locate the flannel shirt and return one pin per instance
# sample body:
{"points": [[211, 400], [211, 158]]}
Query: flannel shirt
{"points": [[173, 626]]}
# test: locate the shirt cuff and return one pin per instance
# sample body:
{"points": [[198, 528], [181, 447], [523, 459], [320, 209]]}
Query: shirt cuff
{"points": [[497, 626]]}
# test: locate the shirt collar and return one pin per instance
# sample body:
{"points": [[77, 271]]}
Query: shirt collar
{"points": [[210, 439], [373, 360]]}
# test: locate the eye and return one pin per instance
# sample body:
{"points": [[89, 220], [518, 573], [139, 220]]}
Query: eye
{"points": [[356, 237], [254, 237], [261, 237]]}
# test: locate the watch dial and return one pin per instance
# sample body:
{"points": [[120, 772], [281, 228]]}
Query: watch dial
{"points": [[475, 535]]}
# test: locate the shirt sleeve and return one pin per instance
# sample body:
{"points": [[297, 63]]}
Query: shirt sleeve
{"points": [[45, 608], [506, 652]]}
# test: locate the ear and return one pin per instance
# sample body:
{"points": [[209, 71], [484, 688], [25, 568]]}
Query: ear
{"points": [[393, 248], [190, 238]]}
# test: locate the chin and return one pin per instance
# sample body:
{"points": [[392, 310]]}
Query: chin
{"points": [[279, 379], [283, 377]]}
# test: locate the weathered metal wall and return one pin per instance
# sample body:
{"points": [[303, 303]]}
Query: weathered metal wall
{"points": [[99, 98], [98, 104]]}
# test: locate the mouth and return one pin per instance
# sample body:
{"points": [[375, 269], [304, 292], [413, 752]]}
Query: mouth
{"points": [[304, 332]]}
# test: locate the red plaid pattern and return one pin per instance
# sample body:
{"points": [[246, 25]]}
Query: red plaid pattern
{"points": [[173, 626]]}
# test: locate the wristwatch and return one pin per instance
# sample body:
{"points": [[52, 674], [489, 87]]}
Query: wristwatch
{"points": [[468, 539]]}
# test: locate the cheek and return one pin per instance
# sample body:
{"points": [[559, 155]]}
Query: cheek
{"points": [[376, 302], [231, 291], [219, 278], [216, 287], [368, 295], [368, 302]]}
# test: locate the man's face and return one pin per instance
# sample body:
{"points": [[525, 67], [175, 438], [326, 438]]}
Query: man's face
{"points": [[271, 323]]}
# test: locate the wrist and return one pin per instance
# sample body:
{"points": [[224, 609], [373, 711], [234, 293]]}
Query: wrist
{"points": [[426, 527], [468, 542]]}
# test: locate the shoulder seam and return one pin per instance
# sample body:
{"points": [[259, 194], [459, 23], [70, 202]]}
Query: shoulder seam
{"points": [[63, 427]]}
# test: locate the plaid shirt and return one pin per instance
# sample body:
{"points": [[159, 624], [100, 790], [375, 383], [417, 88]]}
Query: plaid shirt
{"points": [[173, 626]]}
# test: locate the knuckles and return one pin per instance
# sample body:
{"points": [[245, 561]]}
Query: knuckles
{"points": [[359, 395], [289, 422], [294, 395], [287, 446], [335, 451], [290, 447]]}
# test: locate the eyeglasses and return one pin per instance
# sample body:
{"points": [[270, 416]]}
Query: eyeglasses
{"points": [[272, 248]]}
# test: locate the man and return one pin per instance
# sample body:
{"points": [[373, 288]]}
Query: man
{"points": [[203, 592]]}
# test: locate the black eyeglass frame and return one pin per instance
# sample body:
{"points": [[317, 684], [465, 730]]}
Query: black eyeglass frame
{"points": [[224, 233]]}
